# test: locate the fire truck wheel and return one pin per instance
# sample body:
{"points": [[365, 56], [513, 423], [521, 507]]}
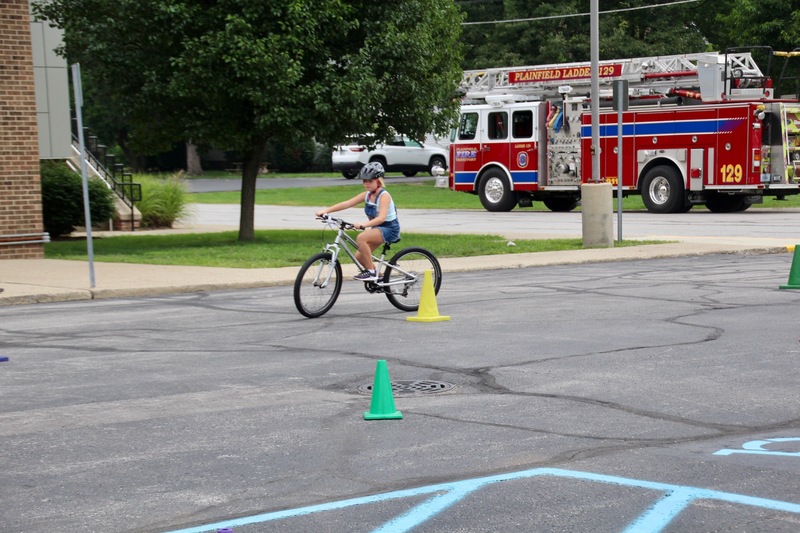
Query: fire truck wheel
{"points": [[561, 204], [724, 203], [495, 192], [662, 190]]}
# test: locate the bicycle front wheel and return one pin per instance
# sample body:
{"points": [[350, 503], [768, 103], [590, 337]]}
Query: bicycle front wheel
{"points": [[317, 285], [404, 274]]}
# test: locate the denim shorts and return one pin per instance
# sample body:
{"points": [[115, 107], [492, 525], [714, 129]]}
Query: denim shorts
{"points": [[390, 231]]}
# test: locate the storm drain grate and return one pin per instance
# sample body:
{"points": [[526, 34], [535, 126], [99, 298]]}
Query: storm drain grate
{"points": [[412, 387]]}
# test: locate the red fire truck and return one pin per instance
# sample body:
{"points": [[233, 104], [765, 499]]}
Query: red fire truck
{"points": [[702, 128]]}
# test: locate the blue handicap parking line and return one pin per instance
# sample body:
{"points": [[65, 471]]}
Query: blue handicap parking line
{"points": [[756, 447], [676, 498]]}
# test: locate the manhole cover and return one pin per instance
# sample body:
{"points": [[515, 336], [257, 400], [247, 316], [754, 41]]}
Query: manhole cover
{"points": [[411, 387]]}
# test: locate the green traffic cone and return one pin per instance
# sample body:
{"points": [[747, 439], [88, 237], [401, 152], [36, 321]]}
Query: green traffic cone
{"points": [[382, 405], [794, 273]]}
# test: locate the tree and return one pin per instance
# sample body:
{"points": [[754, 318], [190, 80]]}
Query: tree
{"points": [[561, 31], [193, 164], [238, 73], [632, 29], [774, 23]]}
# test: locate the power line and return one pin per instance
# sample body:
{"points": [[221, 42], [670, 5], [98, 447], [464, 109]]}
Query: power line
{"points": [[576, 14]]}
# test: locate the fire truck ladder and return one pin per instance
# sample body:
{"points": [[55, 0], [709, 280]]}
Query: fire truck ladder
{"points": [[706, 76]]}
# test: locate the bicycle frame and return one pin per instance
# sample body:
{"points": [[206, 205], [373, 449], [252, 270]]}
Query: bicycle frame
{"points": [[345, 242]]}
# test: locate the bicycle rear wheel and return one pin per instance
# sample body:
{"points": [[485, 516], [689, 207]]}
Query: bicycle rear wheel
{"points": [[404, 274], [317, 285]]}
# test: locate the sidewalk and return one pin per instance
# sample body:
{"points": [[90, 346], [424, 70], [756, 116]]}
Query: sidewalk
{"points": [[27, 281]]}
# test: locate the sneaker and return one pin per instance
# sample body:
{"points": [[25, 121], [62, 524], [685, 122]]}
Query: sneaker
{"points": [[366, 275]]}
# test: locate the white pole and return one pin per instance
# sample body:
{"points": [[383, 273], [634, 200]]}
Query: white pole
{"points": [[76, 85]]}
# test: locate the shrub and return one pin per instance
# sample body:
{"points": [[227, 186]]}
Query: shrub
{"points": [[62, 199], [163, 200]]}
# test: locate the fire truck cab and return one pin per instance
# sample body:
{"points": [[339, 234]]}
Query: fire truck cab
{"points": [[700, 129]]}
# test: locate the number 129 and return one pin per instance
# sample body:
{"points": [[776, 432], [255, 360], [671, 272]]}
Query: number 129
{"points": [[731, 173]]}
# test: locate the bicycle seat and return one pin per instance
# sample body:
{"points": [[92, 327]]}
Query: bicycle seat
{"points": [[388, 245]]}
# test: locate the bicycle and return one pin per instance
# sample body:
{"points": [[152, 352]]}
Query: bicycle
{"points": [[319, 281]]}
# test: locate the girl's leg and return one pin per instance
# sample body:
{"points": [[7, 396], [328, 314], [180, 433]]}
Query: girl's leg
{"points": [[367, 242]]}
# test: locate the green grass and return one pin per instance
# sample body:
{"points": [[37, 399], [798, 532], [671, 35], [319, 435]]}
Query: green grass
{"points": [[419, 195], [279, 248]]}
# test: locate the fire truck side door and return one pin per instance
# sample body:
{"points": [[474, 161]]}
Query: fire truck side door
{"points": [[465, 158], [494, 137], [524, 161]]}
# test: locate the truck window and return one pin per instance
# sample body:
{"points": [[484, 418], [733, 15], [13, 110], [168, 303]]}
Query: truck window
{"points": [[523, 124], [468, 126], [498, 125]]}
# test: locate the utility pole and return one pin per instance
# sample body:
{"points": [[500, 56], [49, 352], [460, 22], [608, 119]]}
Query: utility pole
{"points": [[596, 200]]}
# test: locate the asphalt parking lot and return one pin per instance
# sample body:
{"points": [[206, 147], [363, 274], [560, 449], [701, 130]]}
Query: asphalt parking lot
{"points": [[655, 395]]}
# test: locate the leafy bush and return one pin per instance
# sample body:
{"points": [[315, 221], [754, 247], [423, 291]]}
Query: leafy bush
{"points": [[163, 200], [62, 199]]}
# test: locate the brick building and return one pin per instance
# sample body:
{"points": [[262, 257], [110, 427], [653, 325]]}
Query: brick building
{"points": [[34, 124]]}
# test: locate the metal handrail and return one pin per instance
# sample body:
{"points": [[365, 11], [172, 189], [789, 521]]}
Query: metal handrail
{"points": [[124, 187]]}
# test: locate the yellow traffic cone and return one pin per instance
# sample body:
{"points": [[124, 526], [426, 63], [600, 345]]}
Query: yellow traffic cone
{"points": [[794, 273], [428, 310], [382, 405]]}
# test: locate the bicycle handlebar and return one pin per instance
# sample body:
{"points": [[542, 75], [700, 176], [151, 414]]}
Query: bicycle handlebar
{"points": [[337, 222]]}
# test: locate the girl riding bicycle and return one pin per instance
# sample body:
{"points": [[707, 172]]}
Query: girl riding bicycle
{"points": [[382, 224]]}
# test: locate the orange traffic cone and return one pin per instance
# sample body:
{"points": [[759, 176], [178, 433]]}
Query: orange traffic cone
{"points": [[794, 273], [428, 310]]}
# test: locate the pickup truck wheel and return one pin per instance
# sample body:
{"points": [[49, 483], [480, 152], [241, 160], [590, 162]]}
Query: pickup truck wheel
{"points": [[495, 192], [349, 174]]}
